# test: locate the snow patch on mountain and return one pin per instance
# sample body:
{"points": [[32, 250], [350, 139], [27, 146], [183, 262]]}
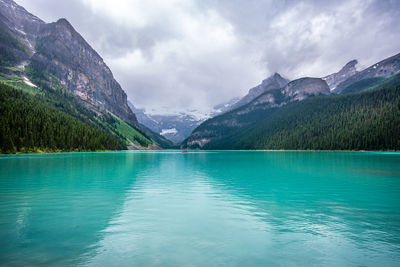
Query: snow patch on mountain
{"points": [[168, 131]]}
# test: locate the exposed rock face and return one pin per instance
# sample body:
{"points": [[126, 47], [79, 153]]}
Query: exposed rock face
{"points": [[61, 51], [273, 82], [225, 124], [20, 21], [80, 69], [384, 69], [347, 71], [302, 88], [17, 31]]}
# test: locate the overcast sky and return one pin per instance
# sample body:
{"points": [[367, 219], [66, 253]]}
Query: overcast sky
{"points": [[179, 55]]}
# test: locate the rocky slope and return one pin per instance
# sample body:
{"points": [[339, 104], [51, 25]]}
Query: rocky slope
{"points": [[60, 56], [304, 87], [249, 114], [333, 80], [273, 82], [383, 69]]}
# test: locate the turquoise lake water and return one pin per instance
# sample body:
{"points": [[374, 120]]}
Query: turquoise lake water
{"points": [[264, 208]]}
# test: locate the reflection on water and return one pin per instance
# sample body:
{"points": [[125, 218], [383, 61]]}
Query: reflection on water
{"points": [[202, 208]]}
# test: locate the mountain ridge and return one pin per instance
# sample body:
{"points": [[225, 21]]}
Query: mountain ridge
{"points": [[248, 114], [272, 82], [383, 69], [348, 70], [225, 131]]}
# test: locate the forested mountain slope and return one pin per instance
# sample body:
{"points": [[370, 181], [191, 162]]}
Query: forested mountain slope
{"points": [[220, 126], [304, 114], [30, 123], [369, 120]]}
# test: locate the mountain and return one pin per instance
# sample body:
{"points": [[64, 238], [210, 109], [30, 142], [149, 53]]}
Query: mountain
{"points": [[57, 54], [304, 87], [273, 82], [362, 121], [160, 140], [305, 115], [347, 71], [224, 107], [371, 75], [218, 127], [175, 127], [144, 119], [54, 63]]}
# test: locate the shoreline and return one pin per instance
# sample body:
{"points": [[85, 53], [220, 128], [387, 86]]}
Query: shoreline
{"points": [[194, 151]]}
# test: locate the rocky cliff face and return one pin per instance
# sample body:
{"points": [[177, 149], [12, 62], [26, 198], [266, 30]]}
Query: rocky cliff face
{"points": [[19, 21], [383, 69], [296, 90], [302, 88], [246, 115], [346, 72], [273, 82], [18, 29], [57, 49]]}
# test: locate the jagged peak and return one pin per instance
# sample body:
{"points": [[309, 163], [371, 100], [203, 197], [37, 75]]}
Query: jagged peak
{"points": [[64, 22], [276, 77], [350, 64], [276, 74]]}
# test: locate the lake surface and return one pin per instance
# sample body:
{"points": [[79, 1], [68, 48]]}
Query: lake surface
{"points": [[264, 208]]}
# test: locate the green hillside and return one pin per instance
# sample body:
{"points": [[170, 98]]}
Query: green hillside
{"points": [[372, 84], [131, 134], [158, 139]]}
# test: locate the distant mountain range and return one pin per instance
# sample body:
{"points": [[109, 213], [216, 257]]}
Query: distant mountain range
{"points": [[53, 57], [307, 113], [175, 127]]}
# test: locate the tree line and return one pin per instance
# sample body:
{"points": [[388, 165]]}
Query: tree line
{"points": [[29, 124]]}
